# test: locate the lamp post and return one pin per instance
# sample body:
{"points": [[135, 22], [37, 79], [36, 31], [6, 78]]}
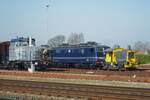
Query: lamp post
{"points": [[47, 7], [32, 69]]}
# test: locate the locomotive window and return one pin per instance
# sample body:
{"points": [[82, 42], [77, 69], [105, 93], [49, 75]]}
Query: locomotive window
{"points": [[121, 55], [92, 49], [131, 55], [58, 51], [69, 51], [82, 51], [101, 54]]}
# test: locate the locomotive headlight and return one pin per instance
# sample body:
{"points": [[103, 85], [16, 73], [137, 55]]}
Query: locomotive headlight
{"points": [[87, 60], [36, 63]]}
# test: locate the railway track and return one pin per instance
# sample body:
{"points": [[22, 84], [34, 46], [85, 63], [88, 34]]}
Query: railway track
{"points": [[110, 76], [140, 72], [125, 76], [90, 92]]}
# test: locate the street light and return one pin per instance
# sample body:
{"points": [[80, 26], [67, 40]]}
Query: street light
{"points": [[47, 6]]}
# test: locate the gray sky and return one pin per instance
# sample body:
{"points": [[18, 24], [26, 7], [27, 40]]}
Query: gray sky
{"points": [[106, 21]]}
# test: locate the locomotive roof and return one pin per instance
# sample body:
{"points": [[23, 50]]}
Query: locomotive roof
{"points": [[111, 49], [21, 39], [83, 46], [4, 42]]}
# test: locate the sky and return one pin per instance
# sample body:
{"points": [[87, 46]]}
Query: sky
{"points": [[109, 22]]}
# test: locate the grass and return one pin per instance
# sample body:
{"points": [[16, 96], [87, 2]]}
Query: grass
{"points": [[144, 59]]}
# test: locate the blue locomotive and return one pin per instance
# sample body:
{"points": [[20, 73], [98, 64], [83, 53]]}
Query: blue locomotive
{"points": [[83, 54]]}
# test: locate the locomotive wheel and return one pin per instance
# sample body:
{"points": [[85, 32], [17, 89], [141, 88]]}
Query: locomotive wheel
{"points": [[107, 66], [98, 67], [120, 67]]}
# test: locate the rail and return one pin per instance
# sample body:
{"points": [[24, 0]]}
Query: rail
{"points": [[92, 92]]}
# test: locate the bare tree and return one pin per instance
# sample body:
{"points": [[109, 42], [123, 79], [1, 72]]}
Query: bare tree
{"points": [[56, 41], [75, 38], [139, 46], [81, 36], [116, 46], [142, 46], [72, 39], [147, 46]]}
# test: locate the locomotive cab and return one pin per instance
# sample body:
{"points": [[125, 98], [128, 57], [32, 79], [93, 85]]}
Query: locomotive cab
{"points": [[130, 59]]}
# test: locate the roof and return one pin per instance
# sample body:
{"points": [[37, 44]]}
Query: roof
{"points": [[112, 49], [5, 43], [83, 46]]}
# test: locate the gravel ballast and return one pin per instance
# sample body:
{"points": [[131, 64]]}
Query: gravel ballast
{"points": [[79, 81]]}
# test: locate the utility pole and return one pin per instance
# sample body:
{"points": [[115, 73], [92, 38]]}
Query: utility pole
{"points": [[47, 7]]}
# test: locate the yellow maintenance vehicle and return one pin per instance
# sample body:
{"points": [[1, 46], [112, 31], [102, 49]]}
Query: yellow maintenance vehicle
{"points": [[120, 58]]}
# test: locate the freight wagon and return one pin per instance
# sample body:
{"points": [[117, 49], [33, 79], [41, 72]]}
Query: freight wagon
{"points": [[4, 53]]}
